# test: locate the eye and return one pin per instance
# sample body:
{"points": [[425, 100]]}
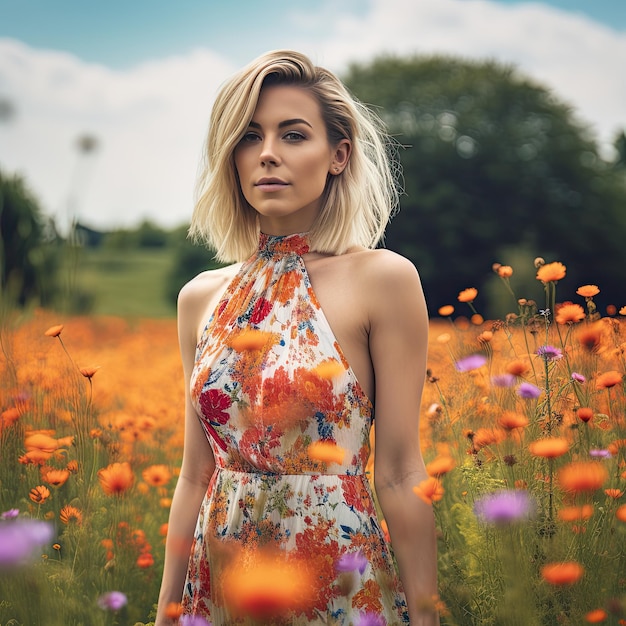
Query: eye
{"points": [[294, 136], [250, 137]]}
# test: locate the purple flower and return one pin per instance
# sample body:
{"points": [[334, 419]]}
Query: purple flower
{"points": [[369, 619], [351, 562], [528, 391], [10, 514], [549, 353], [193, 620], [471, 362], [20, 539], [503, 380], [112, 601], [579, 378], [504, 507], [599, 454]]}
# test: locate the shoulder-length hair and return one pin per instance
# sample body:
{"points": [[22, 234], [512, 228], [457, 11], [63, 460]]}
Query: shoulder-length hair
{"points": [[356, 204]]}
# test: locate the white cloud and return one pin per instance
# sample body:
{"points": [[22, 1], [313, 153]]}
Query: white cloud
{"points": [[151, 119]]}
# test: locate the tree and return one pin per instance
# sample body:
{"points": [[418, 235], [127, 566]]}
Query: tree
{"points": [[494, 166], [27, 255]]}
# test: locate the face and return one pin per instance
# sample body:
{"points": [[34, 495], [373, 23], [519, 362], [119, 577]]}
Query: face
{"points": [[284, 159]]}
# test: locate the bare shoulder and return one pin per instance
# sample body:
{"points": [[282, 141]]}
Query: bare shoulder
{"points": [[200, 296], [385, 270]]}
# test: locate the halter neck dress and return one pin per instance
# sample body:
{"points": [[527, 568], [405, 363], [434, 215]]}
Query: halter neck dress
{"points": [[269, 380]]}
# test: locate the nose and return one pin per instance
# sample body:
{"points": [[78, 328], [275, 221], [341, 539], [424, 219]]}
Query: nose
{"points": [[269, 152]]}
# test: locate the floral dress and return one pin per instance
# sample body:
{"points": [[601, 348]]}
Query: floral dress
{"points": [[270, 382]]}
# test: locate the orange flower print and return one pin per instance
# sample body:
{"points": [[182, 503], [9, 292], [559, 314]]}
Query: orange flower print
{"points": [[468, 295], [568, 313], [566, 573], [39, 494], [260, 310], [116, 478], [551, 272], [354, 493], [582, 476], [214, 403]]}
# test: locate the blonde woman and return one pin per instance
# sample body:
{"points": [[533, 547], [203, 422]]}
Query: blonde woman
{"points": [[286, 353]]}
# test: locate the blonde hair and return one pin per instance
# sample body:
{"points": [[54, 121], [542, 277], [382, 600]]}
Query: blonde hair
{"points": [[357, 204]]}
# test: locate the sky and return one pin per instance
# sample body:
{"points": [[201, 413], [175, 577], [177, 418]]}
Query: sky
{"points": [[140, 78]]}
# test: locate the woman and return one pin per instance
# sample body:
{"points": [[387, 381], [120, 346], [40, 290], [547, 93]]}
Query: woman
{"points": [[285, 355]]}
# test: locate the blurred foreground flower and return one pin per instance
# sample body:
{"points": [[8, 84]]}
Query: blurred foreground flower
{"points": [[193, 620], [429, 490], [326, 452], [369, 619], [266, 585], [20, 539], [582, 476], [352, 562], [116, 478], [504, 507], [112, 601], [566, 573], [471, 362]]}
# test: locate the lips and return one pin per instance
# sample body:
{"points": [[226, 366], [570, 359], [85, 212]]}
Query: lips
{"points": [[271, 184]]}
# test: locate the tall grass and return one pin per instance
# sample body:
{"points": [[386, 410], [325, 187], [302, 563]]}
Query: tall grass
{"points": [[524, 432]]}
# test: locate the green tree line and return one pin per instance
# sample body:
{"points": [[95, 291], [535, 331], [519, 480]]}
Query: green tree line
{"points": [[496, 168]]}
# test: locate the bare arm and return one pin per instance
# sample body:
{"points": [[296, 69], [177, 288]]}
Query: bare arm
{"points": [[398, 347], [196, 470]]}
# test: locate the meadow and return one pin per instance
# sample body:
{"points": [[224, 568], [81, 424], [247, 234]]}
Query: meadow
{"points": [[523, 429]]}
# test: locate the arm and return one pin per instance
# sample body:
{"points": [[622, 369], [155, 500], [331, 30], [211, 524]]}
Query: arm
{"points": [[398, 341], [196, 470]]}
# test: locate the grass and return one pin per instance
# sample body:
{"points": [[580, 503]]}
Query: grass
{"points": [[125, 283]]}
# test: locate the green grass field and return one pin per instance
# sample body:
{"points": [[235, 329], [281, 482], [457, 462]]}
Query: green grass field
{"points": [[128, 283]]}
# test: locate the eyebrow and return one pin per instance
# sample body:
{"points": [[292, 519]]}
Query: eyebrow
{"points": [[296, 120]]}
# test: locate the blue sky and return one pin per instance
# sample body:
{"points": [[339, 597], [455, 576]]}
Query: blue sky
{"points": [[121, 33], [141, 75]]}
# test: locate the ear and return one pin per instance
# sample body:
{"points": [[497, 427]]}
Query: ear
{"points": [[340, 157]]}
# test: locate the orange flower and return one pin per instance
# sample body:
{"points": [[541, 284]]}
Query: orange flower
{"points": [[622, 311], [510, 420], [468, 295], [517, 368], [551, 272], [9, 417], [620, 513], [608, 379], [477, 319], [485, 337], [250, 339], [614, 446], [116, 478], [145, 560], [329, 369], [72, 466], [446, 310], [39, 494], [157, 475], [89, 372], [588, 291], [326, 452], [549, 448], [55, 477], [441, 465], [71, 514], [584, 414], [562, 573], [614, 493], [54, 331], [266, 585], [576, 513], [582, 476], [596, 616], [590, 338], [505, 271], [429, 490], [173, 610], [568, 313]]}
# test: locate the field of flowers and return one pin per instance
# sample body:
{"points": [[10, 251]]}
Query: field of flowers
{"points": [[523, 427]]}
